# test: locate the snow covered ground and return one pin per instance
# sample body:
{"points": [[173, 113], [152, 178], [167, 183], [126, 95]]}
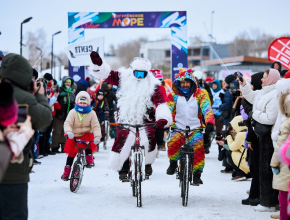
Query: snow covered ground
{"points": [[103, 196]]}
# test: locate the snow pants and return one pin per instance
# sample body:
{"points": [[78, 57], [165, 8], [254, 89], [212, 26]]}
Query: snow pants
{"points": [[283, 204], [176, 140]]}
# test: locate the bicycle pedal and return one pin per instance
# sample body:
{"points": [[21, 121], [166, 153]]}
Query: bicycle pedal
{"points": [[125, 180]]}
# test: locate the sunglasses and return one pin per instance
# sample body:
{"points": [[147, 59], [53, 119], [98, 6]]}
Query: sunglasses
{"points": [[140, 73]]}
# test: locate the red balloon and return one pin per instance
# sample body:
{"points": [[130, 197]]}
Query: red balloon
{"points": [[279, 50]]}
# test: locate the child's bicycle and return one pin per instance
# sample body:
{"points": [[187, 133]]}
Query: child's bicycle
{"points": [[184, 172], [78, 166], [137, 169]]}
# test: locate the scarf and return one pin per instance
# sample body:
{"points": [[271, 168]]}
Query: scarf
{"points": [[186, 92], [273, 77], [68, 91], [83, 109]]}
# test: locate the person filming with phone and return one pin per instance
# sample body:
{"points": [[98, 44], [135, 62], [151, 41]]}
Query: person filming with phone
{"points": [[17, 71]]}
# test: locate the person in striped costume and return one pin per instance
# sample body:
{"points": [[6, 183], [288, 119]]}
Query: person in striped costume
{"points": [[189, 105]]}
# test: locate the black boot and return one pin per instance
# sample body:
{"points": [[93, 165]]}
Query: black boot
{"points": [[196, 178], [172, 167], [254, 202], [246, 201], [148, 170]]}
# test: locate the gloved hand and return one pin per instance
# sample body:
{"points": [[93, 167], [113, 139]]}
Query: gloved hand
{"points": [[96, 59], [209, 128], [161, 123], [275, 170], [103, 123], [70, 135], [96, 141]]}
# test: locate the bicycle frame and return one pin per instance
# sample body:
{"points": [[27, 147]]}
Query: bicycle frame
{"points": [[81, 154]]}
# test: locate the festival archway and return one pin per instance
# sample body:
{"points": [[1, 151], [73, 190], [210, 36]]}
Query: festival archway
{"points": [[175, 20]]}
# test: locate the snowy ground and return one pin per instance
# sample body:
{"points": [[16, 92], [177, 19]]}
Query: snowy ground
{"points": [[103, 196]]}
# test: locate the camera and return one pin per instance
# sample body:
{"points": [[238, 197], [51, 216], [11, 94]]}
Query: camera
{"points": [[239, 75], [234, 89], [246, 122]]}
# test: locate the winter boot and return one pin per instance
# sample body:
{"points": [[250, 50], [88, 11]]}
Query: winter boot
{"points": [[123, 177], [90, 161], [148, 170], [196, 178], [275, 215], [163, 146], [254, 202], [172, 167], [66, 173], [246, 201]]}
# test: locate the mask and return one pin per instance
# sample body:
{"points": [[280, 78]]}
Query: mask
{"points": [[68, 87]]}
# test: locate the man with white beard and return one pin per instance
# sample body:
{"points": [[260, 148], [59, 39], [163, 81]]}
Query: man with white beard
{"points": [[140, 101]]}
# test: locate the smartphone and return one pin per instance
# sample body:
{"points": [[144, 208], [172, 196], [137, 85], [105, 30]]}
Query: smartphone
{"points": [[218, 138], [240, 75], [48, 91], [22, 113]]}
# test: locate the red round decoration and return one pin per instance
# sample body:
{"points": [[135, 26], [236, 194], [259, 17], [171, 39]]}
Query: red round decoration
{"points": [[279, 50]]}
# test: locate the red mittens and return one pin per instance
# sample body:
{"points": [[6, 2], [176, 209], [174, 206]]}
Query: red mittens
{"points": [[96, 59]]}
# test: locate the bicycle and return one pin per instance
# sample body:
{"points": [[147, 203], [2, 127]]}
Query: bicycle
{"points": [[136, 172], [184, 172], [78, 166], [107, 134]]}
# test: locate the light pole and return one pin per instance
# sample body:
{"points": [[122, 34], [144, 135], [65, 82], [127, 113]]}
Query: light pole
{"points": [[40, 58], [51, 64], [59, 60], [25, 21], [212, 24]]}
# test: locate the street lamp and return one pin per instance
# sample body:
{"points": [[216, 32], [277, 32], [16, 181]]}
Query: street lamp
{"points": [[59, 60], [52, 50], [25, 21], [211, 35], [40, 58]]}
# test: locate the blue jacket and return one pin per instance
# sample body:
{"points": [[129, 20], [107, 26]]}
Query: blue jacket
{"points": [[227, 104]]}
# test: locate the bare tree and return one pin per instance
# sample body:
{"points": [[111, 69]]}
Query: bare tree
{"points": [[128, 50], [37, 39]]}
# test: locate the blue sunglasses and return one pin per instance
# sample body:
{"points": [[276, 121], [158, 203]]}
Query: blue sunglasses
{"points": [[140, 73]]}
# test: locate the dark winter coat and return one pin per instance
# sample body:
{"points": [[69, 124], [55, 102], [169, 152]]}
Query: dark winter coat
{"points": [[204, 85], [63, 101], [110, 96], [5, 155], [102, 110], [81, 86], [18, 71], [227, 104]]}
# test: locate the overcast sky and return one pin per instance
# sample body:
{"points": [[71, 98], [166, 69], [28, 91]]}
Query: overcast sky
{"points": [[230, 18]]}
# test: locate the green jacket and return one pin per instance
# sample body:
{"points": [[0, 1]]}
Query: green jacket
{"points": [[16, 69]]}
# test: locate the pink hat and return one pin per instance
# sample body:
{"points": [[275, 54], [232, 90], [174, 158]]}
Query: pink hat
{"points": [[158, 74], [8, 105]]}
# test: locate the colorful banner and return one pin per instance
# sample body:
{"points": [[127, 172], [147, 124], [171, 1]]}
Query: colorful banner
{"points": [[176, 21], [279, 50]]}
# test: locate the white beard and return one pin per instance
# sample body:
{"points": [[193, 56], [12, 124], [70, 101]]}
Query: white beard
{"points": [[134, 96]]}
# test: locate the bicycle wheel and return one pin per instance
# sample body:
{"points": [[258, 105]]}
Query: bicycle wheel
{"points": [[133, 188], [105, 144], [138, 181], [76, 176], [185, 180]]}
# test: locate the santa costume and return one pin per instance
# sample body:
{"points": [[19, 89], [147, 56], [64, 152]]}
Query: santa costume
{"points": [[140, 101]]}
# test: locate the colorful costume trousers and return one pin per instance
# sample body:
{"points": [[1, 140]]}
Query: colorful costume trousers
{"points": [[176, 140]]}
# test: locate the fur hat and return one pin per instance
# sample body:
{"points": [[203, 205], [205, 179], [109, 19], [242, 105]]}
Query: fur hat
{"points": [[48, 76], [139, 63], [198, 74], [8, 105], [229, 79]]}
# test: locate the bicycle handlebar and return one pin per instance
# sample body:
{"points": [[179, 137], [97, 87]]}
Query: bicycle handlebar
{"points": [[130, 125], [188, 129], [81, 142]]}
